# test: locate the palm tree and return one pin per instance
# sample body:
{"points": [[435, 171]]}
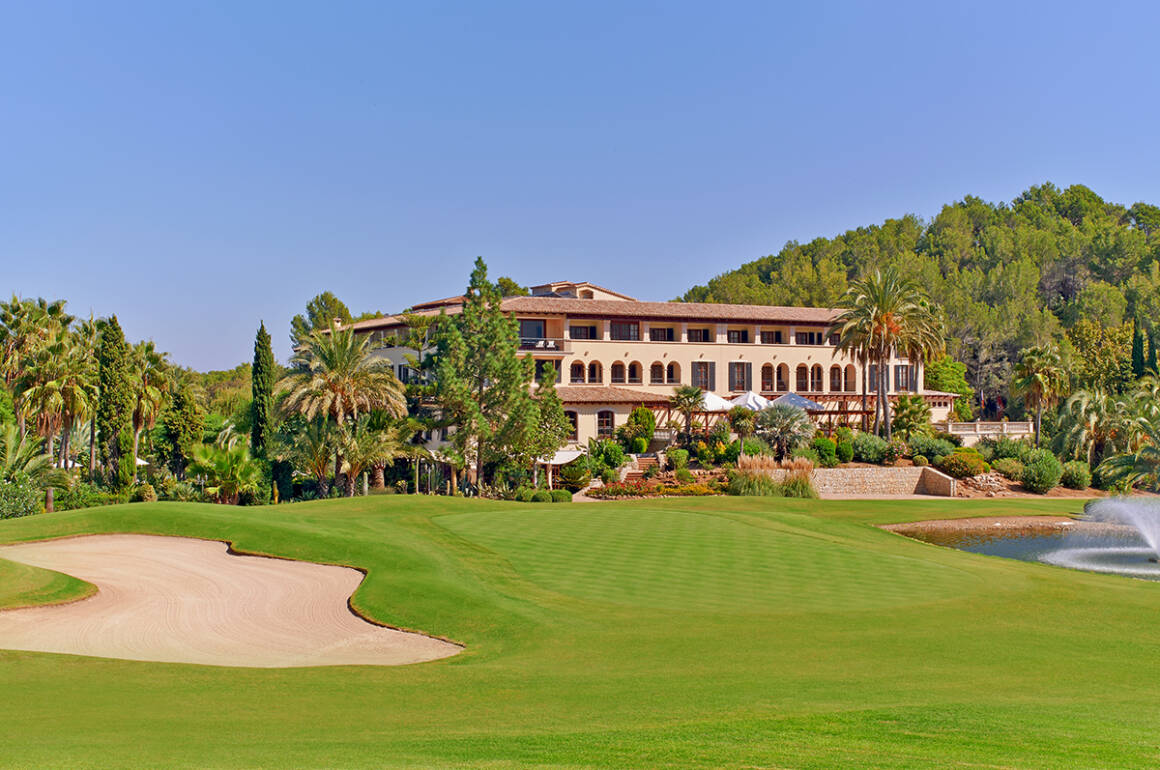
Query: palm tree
{"points": [[784, 427], [228, 473], [743, 421], [1040, 379], [884, 312], [337, 377], [1141, 464], [151, 383], [24, 457], [1093, 424], [687, 400]]}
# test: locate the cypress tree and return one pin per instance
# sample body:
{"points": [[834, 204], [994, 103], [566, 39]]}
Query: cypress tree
{"points": [[115, 406], [1152, 350], [262, 388], [1137, 350]]}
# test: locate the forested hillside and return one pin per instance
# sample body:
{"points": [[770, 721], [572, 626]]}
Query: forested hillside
{"points": [[1061, 266]]}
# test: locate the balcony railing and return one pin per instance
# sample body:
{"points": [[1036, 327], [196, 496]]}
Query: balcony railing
{"points": [[545, 345]]}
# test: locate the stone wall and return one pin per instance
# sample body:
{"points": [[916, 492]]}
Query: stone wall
{"points": [[879, 481]]}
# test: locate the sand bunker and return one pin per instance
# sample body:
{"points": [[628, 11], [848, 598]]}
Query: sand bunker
{"points": [[179, 600]]}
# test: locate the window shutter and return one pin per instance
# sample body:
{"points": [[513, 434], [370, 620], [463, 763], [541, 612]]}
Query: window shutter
{"points": [[712, 377], [749, 376]]}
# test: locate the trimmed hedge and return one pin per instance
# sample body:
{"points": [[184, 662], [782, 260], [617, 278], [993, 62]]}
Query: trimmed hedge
{"points": [[561, 496], [921, 461], [541, 496], [962, 465]]}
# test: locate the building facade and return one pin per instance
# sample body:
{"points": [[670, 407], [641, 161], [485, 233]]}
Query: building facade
{"points": [[611, 353]]}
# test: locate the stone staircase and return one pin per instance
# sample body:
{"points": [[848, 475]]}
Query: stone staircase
{"points": [[636, 472]]}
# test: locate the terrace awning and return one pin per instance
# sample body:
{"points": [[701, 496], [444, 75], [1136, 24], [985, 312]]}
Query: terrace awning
{"points": [[801, 402], [714, 403], [751, 400]]}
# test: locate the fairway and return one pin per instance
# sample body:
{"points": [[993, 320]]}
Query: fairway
{"points": [[708, 632]]}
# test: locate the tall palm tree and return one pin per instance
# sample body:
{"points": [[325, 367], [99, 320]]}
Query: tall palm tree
{"points": [[687, 400], [151, 384], [1040, 379], [24, 457], [882, 313], [1141, 463], [743, 421], [336, 377]]}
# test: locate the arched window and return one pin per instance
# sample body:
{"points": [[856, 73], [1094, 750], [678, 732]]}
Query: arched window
{"points": [[803, 378], [766, 378], [618, 372], [574, 422], [851, 379], [816, 384], [595, 375], [634, 372], [656, 374], [605, 422], [673, 374], [835, 379], [577, 372], [782, 383]]}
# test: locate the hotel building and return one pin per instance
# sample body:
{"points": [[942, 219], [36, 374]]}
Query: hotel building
{"points": [[612, 353]]}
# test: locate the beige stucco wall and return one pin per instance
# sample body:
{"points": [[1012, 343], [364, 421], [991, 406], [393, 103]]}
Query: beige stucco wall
{"points": [[606, 352]]}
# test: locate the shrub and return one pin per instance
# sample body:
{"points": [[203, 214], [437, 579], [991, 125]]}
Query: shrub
{"points": [[1041, 472], [609, 476], [827, 451], [921, 461], [541, 496], [678, 458], [561, 496], [79, 495], [798, 484], [653, 490], [639, 445], [523, 495], [684, 475], [869, 448], [731, 452], [144, 493], [944, 436], [843, 434], [810, 454], [929, 446], [962, 465], [844, 451], [185, 492], [1076, 475], [894, 450], [1008, 467], [755, 446], [19, 497]]}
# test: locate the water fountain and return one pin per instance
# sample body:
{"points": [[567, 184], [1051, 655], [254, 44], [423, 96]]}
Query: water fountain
{"points": [[1118, 535]]}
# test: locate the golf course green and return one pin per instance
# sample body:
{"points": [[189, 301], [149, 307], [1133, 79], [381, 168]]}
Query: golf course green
{"points": [[665, 633]]}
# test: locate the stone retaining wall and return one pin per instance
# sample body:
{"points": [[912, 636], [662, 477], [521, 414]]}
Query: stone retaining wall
{"points": [[873, 482]]}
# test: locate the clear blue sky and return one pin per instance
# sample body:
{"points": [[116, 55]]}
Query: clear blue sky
{"points": [[195, 167]]}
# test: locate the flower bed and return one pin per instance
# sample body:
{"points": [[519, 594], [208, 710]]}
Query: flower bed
{"points": [[639, 489]]}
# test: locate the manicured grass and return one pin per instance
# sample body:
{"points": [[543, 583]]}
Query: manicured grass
{"points": [[699, 632], [24, 586]]}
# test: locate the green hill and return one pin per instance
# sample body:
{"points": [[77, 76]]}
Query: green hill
{"points": [[1052, 265]]}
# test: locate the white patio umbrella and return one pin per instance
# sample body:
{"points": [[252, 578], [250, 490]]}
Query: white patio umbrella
{"points": [[714, 403], [751, 400]]}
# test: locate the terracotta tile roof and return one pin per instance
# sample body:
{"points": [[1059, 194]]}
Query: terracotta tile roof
{"points": [[581, 284], [706, 311], [603, 394]]}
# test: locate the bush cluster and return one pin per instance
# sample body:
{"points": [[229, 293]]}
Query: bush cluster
{"points": [[1041, 472], [1076, 475], [869, 448], [963, 463], [677, 458], [19, 497], [844, 450], [921, 461], [928, 446]]}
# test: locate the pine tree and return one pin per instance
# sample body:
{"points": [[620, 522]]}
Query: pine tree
{"points": [[1137, 350], [482, 383], [262, 388], [115, 406]]}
